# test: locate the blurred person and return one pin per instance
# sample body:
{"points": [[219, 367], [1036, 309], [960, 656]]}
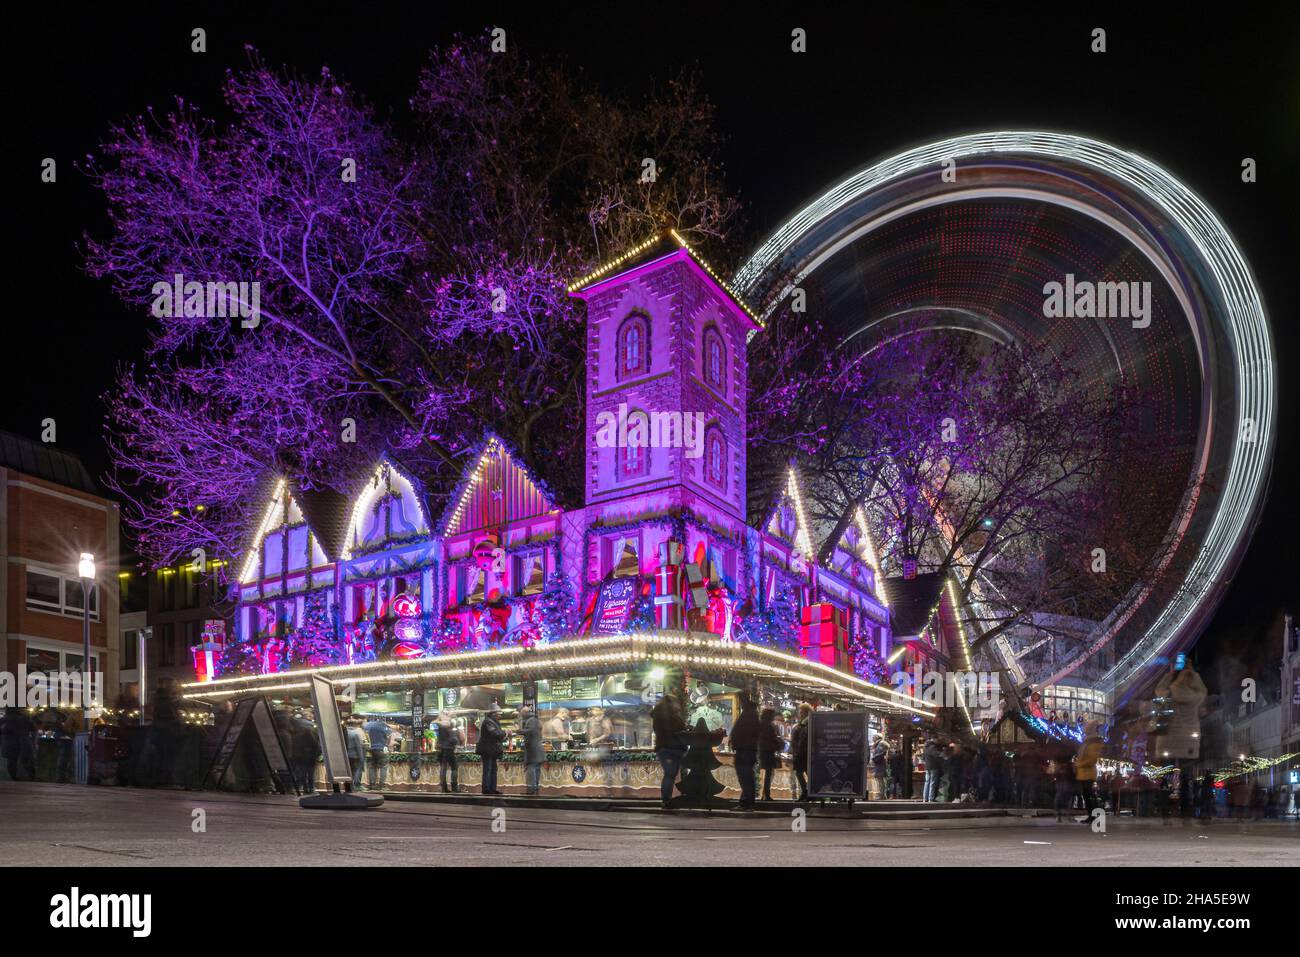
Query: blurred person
{"points": [[305, 750], [769, 746], [379, 733], [1085, 767], [898, 768], [18, 744], [799, 750], [449, 739], [933, 758], [491, 738], [669, 724], [533, 751], [556, 729], [356, 744], [744, 744]]}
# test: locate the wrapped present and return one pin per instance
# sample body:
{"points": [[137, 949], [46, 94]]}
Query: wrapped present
{"points": [[671, 553], [668, 597], [695, 581], [822, 634]]}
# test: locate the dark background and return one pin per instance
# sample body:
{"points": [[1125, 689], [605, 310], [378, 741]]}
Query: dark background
{"points": [[1194, 88]]}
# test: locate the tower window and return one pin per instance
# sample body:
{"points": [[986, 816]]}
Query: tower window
{"points": [[633, 346], [715, 360], [715, 458], [634, 457]]}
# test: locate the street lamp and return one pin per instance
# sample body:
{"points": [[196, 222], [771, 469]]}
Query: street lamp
{"points": [[86, 571]]}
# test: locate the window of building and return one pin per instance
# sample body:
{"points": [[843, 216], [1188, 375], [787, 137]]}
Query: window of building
{"points": [[634, 458], [59, 594], [715, 360], [129, 647], [715, 458], [165, 638], [633, 346], [530, 573]]}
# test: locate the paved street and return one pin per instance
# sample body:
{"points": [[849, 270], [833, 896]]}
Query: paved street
{"points": [[48, 824]]}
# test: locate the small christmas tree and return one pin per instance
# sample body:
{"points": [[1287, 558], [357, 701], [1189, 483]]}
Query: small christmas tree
{"points": [[314, 643], [698, 785], [239, 658], [555, 605]]}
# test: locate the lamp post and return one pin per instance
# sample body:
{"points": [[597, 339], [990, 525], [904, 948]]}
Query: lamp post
{"points": [[86, 571]]}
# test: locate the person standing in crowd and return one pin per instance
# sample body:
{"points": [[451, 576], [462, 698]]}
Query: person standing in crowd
{"points": [[556, 729], [306, 749], [449, 739], [899, 767], [18, 745], [744, 743], [799, 750], [491, 737], [1207, 799], [533, 753], [379, 733], [879, 758], [952, 773], [933, 770], [63, 744], [1085, 767], [769, 745], [1063, 779], [356, 743], [669, 725]]}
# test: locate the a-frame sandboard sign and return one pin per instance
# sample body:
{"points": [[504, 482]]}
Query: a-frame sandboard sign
{"points": [[268, 741]]}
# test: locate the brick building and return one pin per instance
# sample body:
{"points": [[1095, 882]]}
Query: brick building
{"points": [[51, 510]]}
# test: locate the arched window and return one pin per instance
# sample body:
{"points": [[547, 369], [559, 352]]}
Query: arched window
{"points": [[715, 360], [633, 346], [634, 456], [715, 458]]}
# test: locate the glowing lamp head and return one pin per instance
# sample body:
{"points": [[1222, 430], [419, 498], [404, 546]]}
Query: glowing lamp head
{"points": [[657, 674], [86, 566]]}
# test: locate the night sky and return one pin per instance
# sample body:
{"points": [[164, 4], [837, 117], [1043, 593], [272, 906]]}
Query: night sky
{"points": [[1194, 91]]}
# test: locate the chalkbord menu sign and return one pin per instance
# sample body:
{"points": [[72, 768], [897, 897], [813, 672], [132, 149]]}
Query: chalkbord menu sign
{"points": [[614, 606], [272, 748], [837, 754]]}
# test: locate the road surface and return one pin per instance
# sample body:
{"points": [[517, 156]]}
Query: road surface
{"points": [[50, 824]]}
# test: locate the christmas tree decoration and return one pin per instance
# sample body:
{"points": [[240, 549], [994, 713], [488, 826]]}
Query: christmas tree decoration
{"points": [[698, 787]]}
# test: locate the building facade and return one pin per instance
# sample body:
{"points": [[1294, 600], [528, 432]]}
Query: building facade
{"points": [[51, 511]]}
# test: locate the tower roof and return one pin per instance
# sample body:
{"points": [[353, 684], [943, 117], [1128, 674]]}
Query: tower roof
{"points": [[665, 245]]}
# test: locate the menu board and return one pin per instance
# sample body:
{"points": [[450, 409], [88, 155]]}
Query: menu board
{"points": [[837, 754], [614, 606]]}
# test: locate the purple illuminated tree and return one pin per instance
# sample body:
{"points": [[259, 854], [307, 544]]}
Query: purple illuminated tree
{"points": [[411, 292]]}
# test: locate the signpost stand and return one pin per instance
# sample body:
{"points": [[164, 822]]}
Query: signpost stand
{"points": [[338, 771], [268, 738], [837, 755]]}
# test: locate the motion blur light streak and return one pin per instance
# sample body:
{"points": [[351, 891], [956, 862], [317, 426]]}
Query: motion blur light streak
{"points": [[1184, 244]]}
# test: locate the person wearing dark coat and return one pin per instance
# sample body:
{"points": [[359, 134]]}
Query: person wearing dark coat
{"points": [[18, 744], [449, 738], [799, 751], [669, 722], [933, 756], [769, 745], [533, 751], [744, 743], [952, 772], [898, 769], [305, 750], [491, 737]]}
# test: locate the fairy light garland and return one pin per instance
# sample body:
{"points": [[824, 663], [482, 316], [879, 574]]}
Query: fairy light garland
{"points": [[578, 654]]}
